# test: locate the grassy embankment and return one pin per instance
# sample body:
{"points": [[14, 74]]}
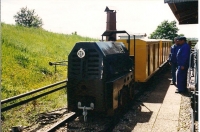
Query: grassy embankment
{"points": [[26, 53]]}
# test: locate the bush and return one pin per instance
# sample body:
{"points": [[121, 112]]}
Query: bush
{"points": [[27, 18]]}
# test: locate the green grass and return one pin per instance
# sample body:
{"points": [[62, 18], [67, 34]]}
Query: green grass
{"points": [[26, 53]]}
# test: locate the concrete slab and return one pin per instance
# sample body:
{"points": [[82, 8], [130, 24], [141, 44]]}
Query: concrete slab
{"points": [[162, 125], [140, 128], [152, 106]]}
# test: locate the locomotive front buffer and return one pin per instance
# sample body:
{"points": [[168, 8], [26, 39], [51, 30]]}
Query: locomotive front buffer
{"points": [[85, 109]]}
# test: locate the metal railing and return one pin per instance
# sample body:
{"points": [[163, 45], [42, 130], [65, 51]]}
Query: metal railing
{"points": [[59, 63]]}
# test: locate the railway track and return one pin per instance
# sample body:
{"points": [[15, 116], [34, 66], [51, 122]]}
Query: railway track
{"points": [[68, 117], [32, 95], [49, 122]]}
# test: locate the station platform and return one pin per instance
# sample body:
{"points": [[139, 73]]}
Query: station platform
{"points": [[162, 107]]}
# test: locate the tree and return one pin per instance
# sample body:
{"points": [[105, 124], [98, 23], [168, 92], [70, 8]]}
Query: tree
{"points": [[166, 30], [27, 18], [181, 34]]}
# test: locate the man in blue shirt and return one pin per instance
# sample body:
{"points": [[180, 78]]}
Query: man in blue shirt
{"points": [[173, 60], [183, 56]]}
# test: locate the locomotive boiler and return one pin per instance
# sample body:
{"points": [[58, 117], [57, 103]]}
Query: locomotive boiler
{"points": [[100, 76]]}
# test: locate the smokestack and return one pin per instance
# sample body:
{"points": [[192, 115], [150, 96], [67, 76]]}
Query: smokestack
{"points": [[111, 21]]}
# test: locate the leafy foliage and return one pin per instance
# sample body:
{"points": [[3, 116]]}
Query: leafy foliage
{"points": [[27, 18], [166, 30], [26, 57], [181, 35]]}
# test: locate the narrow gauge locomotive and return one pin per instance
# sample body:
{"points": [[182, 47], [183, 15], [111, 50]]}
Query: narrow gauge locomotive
{"points": [[99, 73]]}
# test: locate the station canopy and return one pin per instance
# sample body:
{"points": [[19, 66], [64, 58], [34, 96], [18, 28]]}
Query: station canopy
{"points": [[185, 11]]}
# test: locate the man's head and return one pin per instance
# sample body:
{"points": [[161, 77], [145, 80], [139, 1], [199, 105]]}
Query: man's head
{"points": [[182, 40], [176, 40]]}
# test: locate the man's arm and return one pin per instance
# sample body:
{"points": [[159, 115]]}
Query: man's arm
{"points": [[185, 56]]}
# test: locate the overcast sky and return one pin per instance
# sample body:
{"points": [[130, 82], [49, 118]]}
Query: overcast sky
{"points": [[87, 17]]}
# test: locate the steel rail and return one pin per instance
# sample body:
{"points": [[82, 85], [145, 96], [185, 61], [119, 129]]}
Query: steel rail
{"points": [[30, 99], [59, 123], [31, 92]]}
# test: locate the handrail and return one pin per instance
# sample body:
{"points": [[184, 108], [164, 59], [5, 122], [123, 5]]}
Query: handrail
{"points": [[190, 59]]}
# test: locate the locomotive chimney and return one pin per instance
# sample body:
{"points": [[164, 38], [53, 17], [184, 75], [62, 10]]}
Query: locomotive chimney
{"points": [[111, 21]]}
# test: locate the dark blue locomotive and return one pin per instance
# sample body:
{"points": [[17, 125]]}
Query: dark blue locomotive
{"points": [[100, 76]]}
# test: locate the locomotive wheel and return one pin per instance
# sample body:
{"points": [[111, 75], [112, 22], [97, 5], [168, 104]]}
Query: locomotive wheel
{"points": [[131, 91], [110, 112], [124, 96]]}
